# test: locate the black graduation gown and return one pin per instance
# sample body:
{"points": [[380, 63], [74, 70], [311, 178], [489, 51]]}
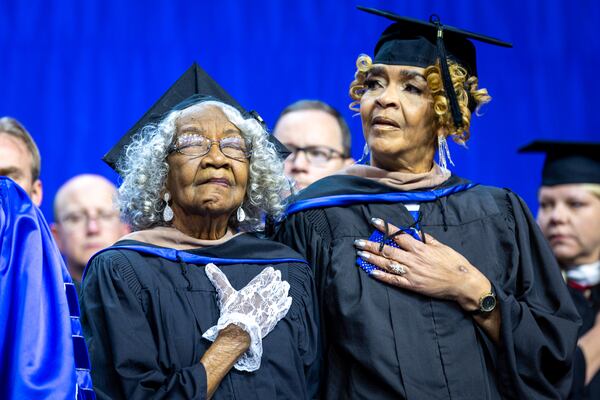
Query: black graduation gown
{"points": [[588, 309], [382, 342], [143, 317]]}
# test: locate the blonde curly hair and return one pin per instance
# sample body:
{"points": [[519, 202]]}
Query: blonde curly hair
{"points": [[470, 97], [593, 188]]}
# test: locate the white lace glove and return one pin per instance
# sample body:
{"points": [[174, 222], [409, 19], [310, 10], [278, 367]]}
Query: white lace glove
{"points": [[256, 309]]}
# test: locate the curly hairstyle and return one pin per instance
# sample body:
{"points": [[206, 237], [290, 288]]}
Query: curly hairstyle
{"points": [[466, 88], [144, 170]]}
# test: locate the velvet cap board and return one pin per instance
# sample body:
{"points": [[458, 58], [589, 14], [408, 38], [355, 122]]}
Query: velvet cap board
{"points": [[567, 162], [193, 87]]}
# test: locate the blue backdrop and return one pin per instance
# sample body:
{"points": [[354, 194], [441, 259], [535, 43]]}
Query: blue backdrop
{"points": [[78, 74]]}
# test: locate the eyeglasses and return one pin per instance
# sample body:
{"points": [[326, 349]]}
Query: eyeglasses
{"points": [[81, 219], [197, 146], [318, 155]]}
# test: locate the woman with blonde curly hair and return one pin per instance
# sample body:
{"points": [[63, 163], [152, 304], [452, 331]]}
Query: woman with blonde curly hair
{"points": [[569, 216], [430, 286], [194, 303]]}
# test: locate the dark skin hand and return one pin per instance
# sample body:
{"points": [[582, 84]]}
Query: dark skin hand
{"points": [[220, 357], [433, 269]]}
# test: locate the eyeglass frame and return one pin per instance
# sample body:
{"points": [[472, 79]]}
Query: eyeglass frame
{"points": [[102, 218], [177, 149], [333, 153]]}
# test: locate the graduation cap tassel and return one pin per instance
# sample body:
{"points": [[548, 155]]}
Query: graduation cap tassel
{"points": [[446, 79]]}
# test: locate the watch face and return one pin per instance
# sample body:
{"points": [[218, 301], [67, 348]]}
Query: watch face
{"points": [[488, 303]]}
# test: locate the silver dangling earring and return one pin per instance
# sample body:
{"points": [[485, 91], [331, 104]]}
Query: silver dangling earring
{"points": [[168, 211], [241, 214], [365, 154], [443, 152]]}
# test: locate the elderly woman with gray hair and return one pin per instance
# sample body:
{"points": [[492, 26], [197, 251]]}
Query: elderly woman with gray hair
{"points": [[194, 291]]}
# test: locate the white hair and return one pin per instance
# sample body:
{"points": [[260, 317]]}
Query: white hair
{"points": [[144, 170]]}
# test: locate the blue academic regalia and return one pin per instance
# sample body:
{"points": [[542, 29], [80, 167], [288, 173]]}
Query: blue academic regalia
{"points": [[43, 354]]}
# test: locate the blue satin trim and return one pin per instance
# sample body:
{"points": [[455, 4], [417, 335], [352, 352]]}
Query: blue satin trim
{"points": [[83, 365], [393, 197], [183, 256], [40, 332], [415, 215]]}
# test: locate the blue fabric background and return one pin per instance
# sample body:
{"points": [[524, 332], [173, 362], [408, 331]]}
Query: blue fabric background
{"points": [[78, 74]]}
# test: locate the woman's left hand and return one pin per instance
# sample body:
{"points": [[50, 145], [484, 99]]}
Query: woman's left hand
{"points": [[430, 268]]}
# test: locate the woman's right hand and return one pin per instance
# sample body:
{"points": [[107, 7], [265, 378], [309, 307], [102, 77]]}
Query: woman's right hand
{"points": [[256, 308]]}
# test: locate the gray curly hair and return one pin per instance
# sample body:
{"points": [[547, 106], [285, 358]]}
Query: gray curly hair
{"points": [[144, 169]]}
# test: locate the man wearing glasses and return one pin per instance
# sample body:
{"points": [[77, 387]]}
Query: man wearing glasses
{"points": [[85, 221], [318, 138]]}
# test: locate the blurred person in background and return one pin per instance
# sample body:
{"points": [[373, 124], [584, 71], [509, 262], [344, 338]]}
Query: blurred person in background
{"points": [[319, 139], [569, 216], [42, 350], [86, 220], [20, 158]]}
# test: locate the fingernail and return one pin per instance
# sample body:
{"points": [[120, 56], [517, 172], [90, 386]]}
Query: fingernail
{"points": [[359, 243], [375, 273], [377, 221], [364, 254]]}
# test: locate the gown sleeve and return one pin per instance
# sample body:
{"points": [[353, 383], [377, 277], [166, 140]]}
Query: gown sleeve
{"points": [[305, 313], [579, 369], [539, 321], [123, 351], [308, 233]]}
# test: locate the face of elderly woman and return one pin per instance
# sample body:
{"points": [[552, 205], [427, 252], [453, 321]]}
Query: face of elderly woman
{"points": [[213, 184], [569, 216], [397, 116]]}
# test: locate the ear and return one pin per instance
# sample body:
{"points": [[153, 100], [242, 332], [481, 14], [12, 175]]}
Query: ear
{"points": [[36, 192], [54, 229]]}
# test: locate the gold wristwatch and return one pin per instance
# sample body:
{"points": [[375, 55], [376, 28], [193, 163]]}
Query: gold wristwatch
{"points": [[487, 303]]}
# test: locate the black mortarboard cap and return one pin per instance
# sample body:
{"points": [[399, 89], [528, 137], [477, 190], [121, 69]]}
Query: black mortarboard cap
{"points": [[567, 162], [194, 86], [417, 43]]}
